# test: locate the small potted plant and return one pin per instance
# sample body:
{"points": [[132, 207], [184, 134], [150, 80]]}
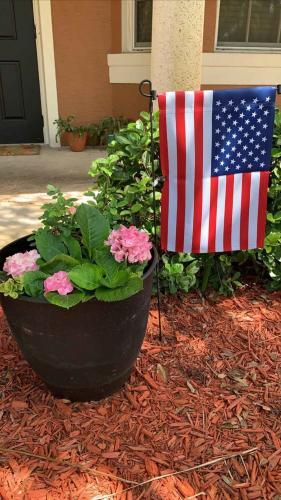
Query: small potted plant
{"points": [[93, 133], [64, 128], [76, 296], [78, 138]]}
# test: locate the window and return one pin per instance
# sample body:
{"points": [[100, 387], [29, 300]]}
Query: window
{"points": [[249, 24], [136, 25]]}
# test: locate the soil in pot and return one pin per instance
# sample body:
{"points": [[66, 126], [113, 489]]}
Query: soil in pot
{"points": [[84, 353], [77, 142]]}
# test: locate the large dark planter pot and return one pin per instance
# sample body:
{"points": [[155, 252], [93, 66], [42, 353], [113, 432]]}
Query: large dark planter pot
{"points": [[84, 353]]}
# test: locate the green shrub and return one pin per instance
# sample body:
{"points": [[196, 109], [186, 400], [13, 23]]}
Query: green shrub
{"points": [[123, 187]]}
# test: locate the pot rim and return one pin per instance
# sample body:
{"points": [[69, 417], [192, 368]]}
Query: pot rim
{"points": [[151, 266]]}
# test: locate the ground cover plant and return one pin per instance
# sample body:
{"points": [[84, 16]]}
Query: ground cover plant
{"points": [[123, 187], [77, 257]]}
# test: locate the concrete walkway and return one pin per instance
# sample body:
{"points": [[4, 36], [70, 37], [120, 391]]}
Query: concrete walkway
{"points": [[23, 181]]}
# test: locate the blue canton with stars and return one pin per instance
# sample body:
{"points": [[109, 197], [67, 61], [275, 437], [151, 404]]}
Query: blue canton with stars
{"points": [[242, 128]]}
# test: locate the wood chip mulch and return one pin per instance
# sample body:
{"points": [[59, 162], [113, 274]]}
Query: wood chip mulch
{"points": [[211, 389]]}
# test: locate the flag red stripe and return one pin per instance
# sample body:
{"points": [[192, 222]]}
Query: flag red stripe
{"points": [[198, 180], [181, 165], [213, 214], [227, 231], [165, 170], [245, 207], [264, 176]]}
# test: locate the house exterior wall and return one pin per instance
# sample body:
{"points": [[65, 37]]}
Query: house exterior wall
{"points": [[82, 39], [85, 31], [126, 99], [209, 25]]}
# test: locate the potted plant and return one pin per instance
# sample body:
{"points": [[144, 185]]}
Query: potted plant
{"points": [[64, 127], [108, 126], [93, 133], [76, 296], [78, 138]]}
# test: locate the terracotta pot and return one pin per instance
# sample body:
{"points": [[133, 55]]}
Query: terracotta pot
{"points": [[66, 138], [77, 142]]}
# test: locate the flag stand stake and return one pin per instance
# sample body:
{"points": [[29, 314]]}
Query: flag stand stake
{"points": [[152, 95]]}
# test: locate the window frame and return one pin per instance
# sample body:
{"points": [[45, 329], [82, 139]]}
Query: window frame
{"points": [[128, 28], [244, 46]]}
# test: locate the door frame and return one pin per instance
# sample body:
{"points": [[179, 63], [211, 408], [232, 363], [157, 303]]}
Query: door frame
{"points": [[46, 68]]}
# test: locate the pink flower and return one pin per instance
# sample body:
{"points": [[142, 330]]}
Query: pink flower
{"points": [[129, 244], [71, 210], [58, 282], [19, 263]]}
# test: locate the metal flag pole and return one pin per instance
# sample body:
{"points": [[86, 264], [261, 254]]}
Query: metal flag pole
{"points": [[152, 95]]}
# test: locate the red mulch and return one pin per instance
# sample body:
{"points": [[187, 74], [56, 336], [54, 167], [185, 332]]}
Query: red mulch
{"points": [[213, 387]]}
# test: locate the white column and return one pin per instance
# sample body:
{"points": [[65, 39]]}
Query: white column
{"points": [[177, 40]]}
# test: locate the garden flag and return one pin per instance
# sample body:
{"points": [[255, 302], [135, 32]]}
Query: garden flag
{"points": [[215, 151]]}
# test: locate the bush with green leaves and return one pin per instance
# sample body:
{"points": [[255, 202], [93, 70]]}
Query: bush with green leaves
{"points": [[72, 257], [123, 187]]}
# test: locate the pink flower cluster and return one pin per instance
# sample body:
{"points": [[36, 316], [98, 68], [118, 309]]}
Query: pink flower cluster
{"points": [[58, 282], [19, 263], [129, 244]]}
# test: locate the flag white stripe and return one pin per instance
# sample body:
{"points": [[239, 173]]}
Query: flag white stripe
{"points": [[236, 212], [190, 165], [172, 154], [220, 213], [254, 210], [207, 161]]}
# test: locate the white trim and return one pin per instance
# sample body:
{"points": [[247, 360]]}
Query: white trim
{"points": [[217, 23], [241, 69], [217, 68], [128, 68], [128, 31], [46, 68]]}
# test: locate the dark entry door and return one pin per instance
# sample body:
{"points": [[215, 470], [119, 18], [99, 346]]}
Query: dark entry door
{"points": [[20, 107]]}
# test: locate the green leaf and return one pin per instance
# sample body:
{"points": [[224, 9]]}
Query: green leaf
{"points": [[136, 207], [276, 152], [48, 245], [122, 140], [73, 247], [60, 262], [51, 190], [3, 276], [106, 261], [145, 116], [133, 286], [86, 276], [93, 225], [65, 301], [273, 238], [120, 278], [33, 283]]}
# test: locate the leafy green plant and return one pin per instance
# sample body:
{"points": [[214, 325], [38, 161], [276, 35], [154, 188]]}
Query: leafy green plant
{"points": [[75, 258], [12, 287], [79, 130], [100, 132], [123, 187], [63, 125]]}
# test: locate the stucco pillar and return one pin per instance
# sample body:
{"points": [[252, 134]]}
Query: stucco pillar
{"points": [[177, 39]]}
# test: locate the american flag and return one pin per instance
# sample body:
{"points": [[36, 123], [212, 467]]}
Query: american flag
{"points": [[215, 149]]}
